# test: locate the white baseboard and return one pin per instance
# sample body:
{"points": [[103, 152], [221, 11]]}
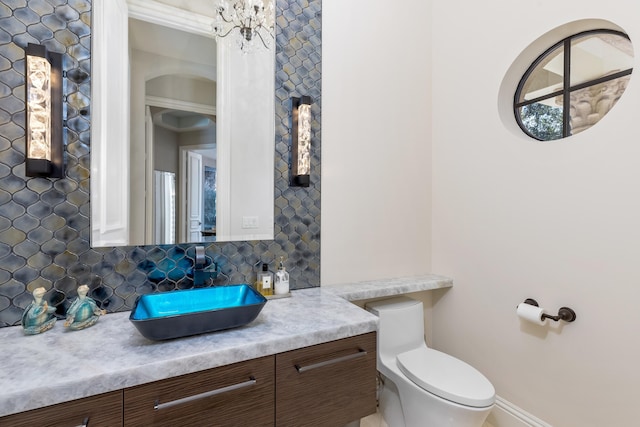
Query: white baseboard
{"points": [[506, 414]]}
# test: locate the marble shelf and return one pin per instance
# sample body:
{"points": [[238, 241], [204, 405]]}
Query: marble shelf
{"points": [[388, 287]]}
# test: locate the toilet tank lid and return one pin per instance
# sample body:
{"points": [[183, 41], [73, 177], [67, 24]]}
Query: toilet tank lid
{"points": [[447, 377], [394, 303]]}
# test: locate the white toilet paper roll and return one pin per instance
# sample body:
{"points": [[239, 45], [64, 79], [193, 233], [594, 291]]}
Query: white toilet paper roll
{"points": [[531, 313]]}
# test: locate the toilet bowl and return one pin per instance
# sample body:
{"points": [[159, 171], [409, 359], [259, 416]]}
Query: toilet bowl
{"points": [[423, 387]]}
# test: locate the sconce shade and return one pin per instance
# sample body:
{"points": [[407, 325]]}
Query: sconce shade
{"points": [[44, 145], [300, 141]]}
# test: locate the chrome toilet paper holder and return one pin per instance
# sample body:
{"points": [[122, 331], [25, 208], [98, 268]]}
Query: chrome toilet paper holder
{"points": [[564, 313]]}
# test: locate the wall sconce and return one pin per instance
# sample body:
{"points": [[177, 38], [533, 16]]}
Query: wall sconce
{"points": [[44, 148], [300, 141]]}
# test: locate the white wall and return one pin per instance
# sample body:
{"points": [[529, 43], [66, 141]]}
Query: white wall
{"points": [[512, 218], [245, 142], [376, 146]]}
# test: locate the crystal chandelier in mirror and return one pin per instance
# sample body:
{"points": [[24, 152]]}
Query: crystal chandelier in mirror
{"points": [[251, 22]]}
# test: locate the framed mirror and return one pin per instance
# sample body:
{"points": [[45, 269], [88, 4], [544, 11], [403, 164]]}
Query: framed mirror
{"points": [[182, 140]]}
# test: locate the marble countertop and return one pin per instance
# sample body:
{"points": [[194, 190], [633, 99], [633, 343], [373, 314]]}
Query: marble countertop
{"points": [[59, 365]]}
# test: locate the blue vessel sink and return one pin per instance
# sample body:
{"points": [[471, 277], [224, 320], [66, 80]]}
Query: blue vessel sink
{"points": [[176, 314]]}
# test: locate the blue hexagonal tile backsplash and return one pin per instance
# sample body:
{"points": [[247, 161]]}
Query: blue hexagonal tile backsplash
{"points": [[45, 223]]}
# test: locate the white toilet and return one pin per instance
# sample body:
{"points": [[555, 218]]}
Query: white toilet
{"points": [[424, 387]]}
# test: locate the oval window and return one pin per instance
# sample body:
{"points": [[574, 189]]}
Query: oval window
{"points": [[588, 72]]}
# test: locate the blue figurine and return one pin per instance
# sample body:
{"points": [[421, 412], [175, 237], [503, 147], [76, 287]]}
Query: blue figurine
{"points": [[83, 311], [38, 316]]}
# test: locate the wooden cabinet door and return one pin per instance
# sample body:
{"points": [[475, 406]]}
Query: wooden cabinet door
{"points": [[328, 384], [234, 395], [103, 410]]}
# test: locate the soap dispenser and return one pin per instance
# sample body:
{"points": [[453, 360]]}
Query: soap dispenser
{"points": [[264, 281], [282, 279]]}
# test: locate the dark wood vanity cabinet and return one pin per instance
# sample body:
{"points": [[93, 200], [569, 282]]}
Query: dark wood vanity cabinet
{"points": [[234, 395], [328, 384], [103, 410]]}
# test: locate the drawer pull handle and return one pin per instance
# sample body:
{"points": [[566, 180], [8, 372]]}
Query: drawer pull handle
{"points": [[85, 423], [166, 405], [360, 353]]}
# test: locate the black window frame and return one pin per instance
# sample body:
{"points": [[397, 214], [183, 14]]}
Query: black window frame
{"points": [[567, 89]]}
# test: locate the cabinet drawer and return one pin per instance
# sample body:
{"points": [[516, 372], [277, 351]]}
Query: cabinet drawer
{"points": [[102, 410], [233, 395], [328, 384]]}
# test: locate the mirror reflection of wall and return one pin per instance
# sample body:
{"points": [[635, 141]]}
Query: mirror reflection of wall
{"points": [[180, 134], [173, 81], [185, 90]]}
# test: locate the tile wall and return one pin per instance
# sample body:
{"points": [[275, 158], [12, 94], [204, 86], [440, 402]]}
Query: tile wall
{"points": [[45, 223]]}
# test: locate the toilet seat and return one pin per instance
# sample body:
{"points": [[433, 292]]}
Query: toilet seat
{"points": [[446, 377]]}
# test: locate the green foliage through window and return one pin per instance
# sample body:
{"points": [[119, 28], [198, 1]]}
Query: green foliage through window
{"points": [[542, 121]]}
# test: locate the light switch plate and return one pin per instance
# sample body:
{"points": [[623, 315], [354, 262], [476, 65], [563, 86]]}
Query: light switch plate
{"points": [[249, 222]]}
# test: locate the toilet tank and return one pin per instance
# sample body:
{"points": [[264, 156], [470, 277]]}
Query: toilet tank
{"points": [[400, 324]]}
